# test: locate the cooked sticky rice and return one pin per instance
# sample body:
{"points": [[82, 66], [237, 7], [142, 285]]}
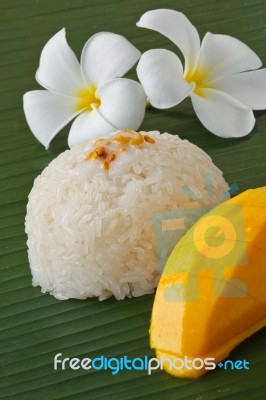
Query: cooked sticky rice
{"points": [[90, 225]]}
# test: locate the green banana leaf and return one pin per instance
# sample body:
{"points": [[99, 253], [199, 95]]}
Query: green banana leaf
{"points": [[34, 327]]}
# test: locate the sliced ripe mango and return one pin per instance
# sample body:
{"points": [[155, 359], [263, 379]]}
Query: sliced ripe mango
{"points": [[212, 293]]}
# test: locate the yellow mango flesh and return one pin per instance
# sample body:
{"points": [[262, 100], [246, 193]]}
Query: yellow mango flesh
{"points": [[211, 298]]}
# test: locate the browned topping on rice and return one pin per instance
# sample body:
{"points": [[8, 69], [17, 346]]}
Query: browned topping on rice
{"points": [[149, 139], [108, 150]]}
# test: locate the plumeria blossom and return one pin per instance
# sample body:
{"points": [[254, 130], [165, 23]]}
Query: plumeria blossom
{"points": [[223, 94], [93, 91]]}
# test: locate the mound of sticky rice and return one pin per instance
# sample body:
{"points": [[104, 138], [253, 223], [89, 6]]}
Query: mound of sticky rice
{"points": [[89, 215]]}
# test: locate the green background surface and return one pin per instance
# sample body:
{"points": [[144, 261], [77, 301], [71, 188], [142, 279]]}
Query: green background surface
{"points": [[34, 327]]}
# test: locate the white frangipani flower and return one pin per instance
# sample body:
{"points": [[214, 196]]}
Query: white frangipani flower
{"points": [[92, 90], [222, 94]]}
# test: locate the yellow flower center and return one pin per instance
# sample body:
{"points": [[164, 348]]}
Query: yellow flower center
{"points": [[87, 99], [199, 77]]}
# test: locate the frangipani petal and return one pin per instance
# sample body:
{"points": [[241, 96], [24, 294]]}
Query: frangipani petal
{"points": [[123, 103], [221, 114], [248, 87], [160, 73], [59, 69], [107, 56], [176, 27], [223, 55], [88, 126], [47, 113]]}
